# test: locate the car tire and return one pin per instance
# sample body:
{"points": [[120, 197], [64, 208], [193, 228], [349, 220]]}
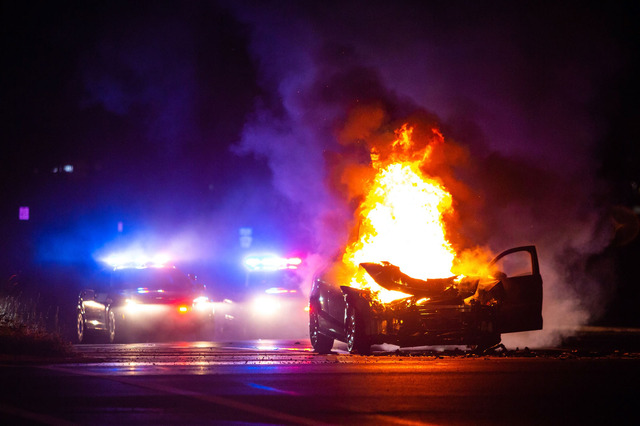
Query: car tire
{"points": [[357, 340], [111, 327], [81, 331], [321, 343]]}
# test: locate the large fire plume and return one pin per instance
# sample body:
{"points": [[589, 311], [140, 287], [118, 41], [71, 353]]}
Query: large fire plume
{"points": [[402, 216]]}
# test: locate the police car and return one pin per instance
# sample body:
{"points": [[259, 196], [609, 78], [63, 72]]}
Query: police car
{"points": [[144, 300]]}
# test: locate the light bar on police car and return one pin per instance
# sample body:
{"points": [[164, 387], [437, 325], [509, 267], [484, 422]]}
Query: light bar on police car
{"points": [[271, 263]]}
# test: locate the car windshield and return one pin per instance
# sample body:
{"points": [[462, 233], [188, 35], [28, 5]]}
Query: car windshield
{"points": [[152, 279]]}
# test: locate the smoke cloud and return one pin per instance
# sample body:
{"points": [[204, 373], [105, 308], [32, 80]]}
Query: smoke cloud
{"points": [[513, 90]]}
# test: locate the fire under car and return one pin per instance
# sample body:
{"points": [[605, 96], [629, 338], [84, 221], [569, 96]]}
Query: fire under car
{"points": [[144, 302], [472, 311]]}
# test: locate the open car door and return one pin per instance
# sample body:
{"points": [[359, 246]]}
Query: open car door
{"points": [[519, 272]]}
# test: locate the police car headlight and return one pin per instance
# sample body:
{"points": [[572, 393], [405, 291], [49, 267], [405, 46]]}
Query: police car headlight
{"points": [[131, 305], [265, 306], [202, 304]]}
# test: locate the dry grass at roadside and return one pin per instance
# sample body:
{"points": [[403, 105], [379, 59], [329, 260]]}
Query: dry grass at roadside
{"points": [[24, 330]]}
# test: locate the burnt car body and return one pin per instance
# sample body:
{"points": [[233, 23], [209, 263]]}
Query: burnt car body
{"points": [[471, 311], [147, 302]]}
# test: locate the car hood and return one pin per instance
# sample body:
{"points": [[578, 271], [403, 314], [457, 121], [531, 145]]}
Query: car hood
{"points": [[155, 297], [391, 278]]}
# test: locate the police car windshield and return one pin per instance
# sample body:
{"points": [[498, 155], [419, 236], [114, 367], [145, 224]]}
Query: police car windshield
{"points": [[167, 279]]}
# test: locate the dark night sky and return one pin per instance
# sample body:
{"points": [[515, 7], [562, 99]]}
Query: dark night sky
{"points": [[187, 120]]}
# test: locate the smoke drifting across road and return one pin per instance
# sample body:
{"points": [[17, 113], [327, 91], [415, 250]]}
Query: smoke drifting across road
{"points": [[513, 88]]}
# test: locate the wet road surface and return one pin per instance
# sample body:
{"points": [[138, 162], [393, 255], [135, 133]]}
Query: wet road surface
{"points": [[284, 382]]}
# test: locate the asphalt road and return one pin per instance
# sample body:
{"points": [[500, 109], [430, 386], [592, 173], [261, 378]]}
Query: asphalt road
{"points": [[283, 382]]}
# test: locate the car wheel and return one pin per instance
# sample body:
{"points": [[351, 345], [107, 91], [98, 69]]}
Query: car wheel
{"points": [[321, 343], [81, 332], [357, 340], [111, 327]]}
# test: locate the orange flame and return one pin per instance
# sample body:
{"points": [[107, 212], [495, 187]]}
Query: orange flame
{"points": [[401, 217]]}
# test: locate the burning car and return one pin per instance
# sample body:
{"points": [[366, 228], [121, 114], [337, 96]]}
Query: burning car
{"points": [[141, 300], [410, 272], [462, 310]]}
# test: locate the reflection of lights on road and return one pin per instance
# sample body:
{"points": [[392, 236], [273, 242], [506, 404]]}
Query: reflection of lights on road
{"points": [[266, 306], [201, 344], [272, 345], [267, 348], [272, 389]]}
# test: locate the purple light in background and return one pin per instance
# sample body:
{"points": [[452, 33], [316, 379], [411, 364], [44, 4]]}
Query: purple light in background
{"points": [[23, 213], [245, 237]]}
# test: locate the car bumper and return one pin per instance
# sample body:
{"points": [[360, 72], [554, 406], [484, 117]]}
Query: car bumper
{"points": [[161, 317], [432, 325]]}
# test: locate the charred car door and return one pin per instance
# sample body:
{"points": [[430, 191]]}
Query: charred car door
{"points": [[519, 273]]}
